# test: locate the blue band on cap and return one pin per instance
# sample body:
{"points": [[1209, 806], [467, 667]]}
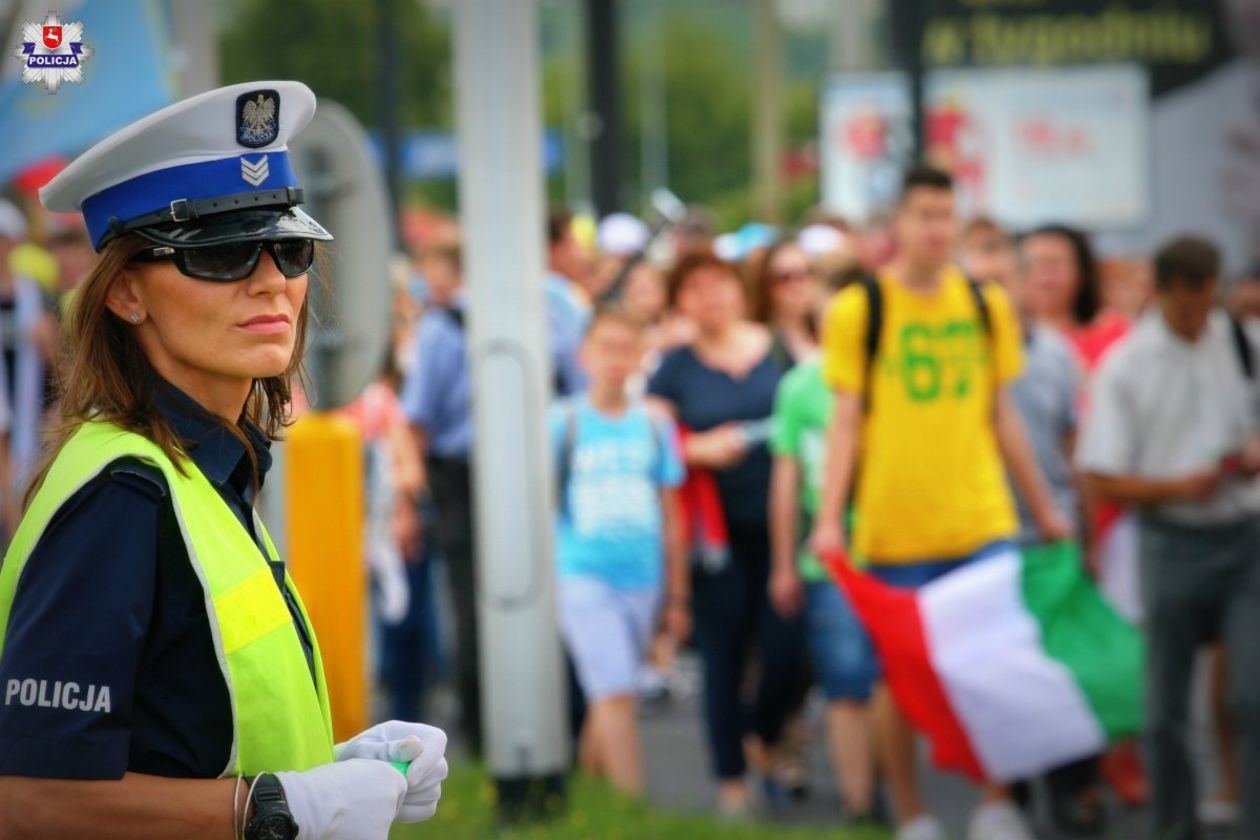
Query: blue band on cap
{"points": [[155, 191]]}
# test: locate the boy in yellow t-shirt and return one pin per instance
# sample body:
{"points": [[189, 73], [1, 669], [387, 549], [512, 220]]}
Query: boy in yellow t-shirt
{"points": [[926, 414], [932, 483]]}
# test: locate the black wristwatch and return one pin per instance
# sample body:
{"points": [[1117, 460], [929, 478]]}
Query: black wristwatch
{"points": [[272, 819]]}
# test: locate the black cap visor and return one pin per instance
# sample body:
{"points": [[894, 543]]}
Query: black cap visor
{"points": [[237, 226]]}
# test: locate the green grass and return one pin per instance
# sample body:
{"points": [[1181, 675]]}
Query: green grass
{"points": [[594, 813]]}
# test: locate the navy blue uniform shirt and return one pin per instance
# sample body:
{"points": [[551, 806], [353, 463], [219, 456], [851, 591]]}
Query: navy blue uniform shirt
{"points": [[108, 663]]}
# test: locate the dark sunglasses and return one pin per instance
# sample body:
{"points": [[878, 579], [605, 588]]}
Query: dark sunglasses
{"points": [[234, 260], [794, 274]]}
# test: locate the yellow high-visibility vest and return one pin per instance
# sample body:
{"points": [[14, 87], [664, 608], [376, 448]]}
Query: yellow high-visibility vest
{"points": [[280, 717]]}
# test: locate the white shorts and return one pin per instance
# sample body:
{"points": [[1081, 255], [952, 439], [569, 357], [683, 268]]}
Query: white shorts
{"points": [[606, 631]]}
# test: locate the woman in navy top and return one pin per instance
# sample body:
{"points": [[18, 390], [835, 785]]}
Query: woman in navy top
{"points": [[721, 388]]}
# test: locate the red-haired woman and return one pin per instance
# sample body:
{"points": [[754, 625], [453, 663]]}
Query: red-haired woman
{"points": [[721, 388]]}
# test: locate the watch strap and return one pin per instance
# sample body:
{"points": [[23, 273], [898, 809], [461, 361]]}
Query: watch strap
{"points": [[271, 809], [268, 789]]}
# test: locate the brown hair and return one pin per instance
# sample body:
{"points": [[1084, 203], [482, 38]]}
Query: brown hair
{"points": [[104, 374], [987, 227], [1189, 261], [447, 250], [1088, 301], [558, 223], [616, 314], [761, 279], [925, 176], [694, 261]]}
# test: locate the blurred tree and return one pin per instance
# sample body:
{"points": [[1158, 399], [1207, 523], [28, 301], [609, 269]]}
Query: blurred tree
{"points": [[801, 116], [708, 107], [708, 82], [708, 91], [331, 46]]}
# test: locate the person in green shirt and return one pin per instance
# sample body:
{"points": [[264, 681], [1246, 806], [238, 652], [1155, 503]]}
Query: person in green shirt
{"points": [[844, 659]]}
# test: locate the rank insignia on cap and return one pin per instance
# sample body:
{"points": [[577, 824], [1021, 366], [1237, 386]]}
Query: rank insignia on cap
{"points": [[256, 172], [257, 118]]}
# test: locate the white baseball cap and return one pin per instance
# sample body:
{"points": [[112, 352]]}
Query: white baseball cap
{"points": [[621, 235], [817, 240]]}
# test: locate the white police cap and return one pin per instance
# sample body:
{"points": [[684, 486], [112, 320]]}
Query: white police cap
{"points": [[214, 168]]}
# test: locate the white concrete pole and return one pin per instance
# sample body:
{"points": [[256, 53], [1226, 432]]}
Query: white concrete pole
{"points": [[498, 110]]}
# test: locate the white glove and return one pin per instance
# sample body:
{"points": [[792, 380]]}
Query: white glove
{"points": [[349, 800], [390, 572], [423, 746]]}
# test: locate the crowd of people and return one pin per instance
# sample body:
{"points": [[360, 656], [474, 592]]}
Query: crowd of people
{"points": [[717, 397], [39, 271], [731, 411]]}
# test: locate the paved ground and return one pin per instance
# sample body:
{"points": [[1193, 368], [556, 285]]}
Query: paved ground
{"points": [[678, 774], [678, 771]]}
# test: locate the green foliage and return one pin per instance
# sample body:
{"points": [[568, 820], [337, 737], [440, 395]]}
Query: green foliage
{"points": [[709, 90], [801, 196], [594, 812], [707, 103], [333, 46], [734, 207], [800, 111], [707, 74]]}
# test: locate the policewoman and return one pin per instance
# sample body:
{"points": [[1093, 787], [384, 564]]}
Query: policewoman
{"points": [[159, 676]]}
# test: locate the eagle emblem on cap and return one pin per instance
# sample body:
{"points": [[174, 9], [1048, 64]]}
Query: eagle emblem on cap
{"points": [[257, 118]]}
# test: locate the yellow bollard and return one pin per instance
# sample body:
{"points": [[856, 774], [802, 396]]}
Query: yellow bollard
{"points": [[324, 499]]}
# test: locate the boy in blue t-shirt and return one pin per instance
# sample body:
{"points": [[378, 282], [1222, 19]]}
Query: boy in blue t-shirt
{"points": [[618, 522]]}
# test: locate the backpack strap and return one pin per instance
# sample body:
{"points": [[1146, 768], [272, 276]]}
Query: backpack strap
{"points": [[565, 470], [780, 354], [986, 317], [658, 446], [982, 305], [874, 330], [456, 314], [1242, 345]]}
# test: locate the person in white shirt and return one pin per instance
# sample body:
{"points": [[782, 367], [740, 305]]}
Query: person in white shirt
{"points": [[1173, 432]]}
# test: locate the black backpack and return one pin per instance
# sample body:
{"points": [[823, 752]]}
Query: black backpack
{"points": [[1242, 346]]}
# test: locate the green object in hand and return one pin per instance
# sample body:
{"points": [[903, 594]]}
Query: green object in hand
{"points": [[400, 766]]}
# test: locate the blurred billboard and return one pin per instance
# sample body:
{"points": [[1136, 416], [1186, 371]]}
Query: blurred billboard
{"points": [[1039, 104], [1026, 146]]}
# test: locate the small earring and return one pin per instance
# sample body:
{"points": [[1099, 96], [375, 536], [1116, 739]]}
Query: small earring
{"points": [[134, 317]]}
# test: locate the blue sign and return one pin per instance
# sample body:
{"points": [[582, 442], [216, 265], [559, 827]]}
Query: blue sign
{"points": [[434, 155], [126, 80]]}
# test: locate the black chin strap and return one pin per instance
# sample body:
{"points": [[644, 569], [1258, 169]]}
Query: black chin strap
{"points": [[185, 209]]}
